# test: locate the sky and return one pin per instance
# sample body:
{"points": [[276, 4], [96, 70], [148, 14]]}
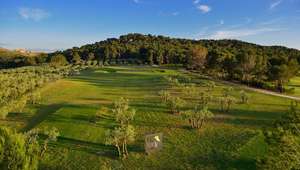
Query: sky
{"points": [[48, 25]]}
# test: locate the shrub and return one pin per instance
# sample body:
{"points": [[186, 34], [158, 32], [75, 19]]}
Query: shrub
{"points": [[18, 151], [197, 116], [123, 114], [164, 95], [175, 104]]}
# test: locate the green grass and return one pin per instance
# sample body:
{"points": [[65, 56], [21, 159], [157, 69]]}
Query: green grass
{"points": [[295, 84], [230, 141]]}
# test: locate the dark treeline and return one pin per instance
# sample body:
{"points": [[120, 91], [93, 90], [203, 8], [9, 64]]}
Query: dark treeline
{"points": [[227, 59], [13, 59]]}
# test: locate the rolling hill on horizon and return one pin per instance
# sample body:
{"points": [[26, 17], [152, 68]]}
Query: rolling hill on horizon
{"points": [[223, 41]]}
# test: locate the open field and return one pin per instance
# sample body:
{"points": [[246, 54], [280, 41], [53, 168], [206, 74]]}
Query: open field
{"points": [[229, 141]]}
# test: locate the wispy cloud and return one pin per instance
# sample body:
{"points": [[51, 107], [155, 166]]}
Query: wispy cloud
{"points": [[275, 4], [196, 1], [204, 8], [136, 1], [205, 30], [222, 22], [175, 13], [239, 33], [272, 21], [34, 14]]}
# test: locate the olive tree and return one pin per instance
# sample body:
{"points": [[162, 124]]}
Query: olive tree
{"points": [[244, 97], [51, 135], [164, 95], [120, 137], [191, 90], [226, 100], [123, 114], [210, 86], [204, 98], [227, 91], [175, 104], [226, 103], [198, 116]]}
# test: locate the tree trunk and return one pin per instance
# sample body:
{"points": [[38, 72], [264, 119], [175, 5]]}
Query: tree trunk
{"points": [[123, 149], [119, 150], [201, 124], [44, 148], [126, 151]]}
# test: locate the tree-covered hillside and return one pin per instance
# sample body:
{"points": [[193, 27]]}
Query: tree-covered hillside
{"points": [[164, 50], [228, 59], [248, 63]]}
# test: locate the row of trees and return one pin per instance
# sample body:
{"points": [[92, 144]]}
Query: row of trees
{"points": [[21, 85], [200, 113]]}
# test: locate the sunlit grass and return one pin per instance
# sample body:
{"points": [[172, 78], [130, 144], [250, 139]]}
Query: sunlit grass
{"points": [[229, 141]]}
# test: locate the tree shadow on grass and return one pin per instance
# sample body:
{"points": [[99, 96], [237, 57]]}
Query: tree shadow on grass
{"points": [[252, 118], [43, 113], [104, 121], [86, 146], [99, 149]]}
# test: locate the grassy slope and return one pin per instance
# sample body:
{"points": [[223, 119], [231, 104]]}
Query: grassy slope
{"points": [[229, 141]]}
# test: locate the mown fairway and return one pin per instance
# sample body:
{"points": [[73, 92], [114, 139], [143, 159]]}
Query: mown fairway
{"points": [[228, 141]]}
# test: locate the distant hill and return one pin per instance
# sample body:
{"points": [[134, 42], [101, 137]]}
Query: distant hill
{"points": [[17, 53], [139, 48]]}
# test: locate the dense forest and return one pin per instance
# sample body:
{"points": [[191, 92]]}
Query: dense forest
{"points": [[226, 59]]}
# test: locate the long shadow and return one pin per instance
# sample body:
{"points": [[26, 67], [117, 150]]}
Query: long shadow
{"points": [[248, 118], [86, 146], [255, 114], [41, 115], [103, 122], [99, 149]]}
